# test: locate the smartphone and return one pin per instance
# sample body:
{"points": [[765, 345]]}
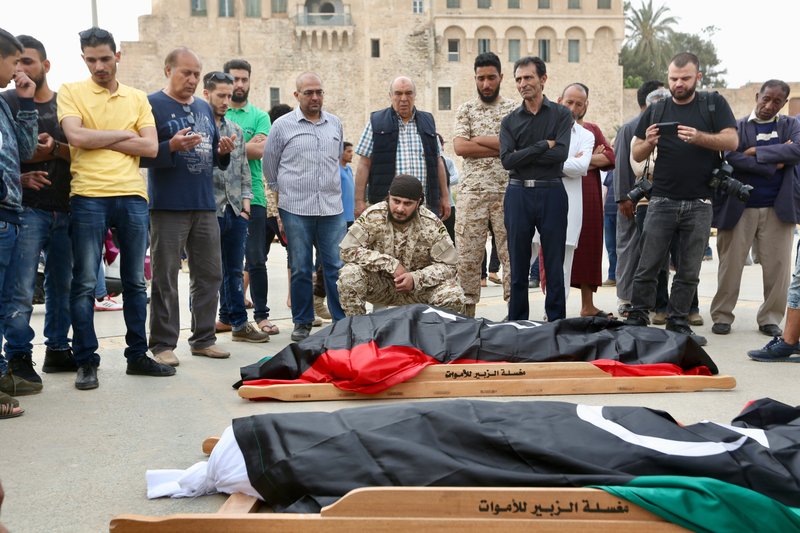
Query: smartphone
{"points": [[667, 128]]}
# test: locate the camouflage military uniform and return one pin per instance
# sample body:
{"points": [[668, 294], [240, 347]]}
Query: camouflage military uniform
{"points": [[480, 198], [372, 250]]}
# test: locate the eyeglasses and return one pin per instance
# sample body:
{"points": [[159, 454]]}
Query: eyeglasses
{"points": [[318, 92], [189, 114], [94, 32], [219, 76]]}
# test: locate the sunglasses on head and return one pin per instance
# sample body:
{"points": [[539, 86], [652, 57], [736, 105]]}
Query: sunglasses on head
{"points": [[219, 76], [94, 32]]}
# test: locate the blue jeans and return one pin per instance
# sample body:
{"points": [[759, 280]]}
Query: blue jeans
{"points": [[39, 231], [8, 239], [301, 233], [610, 234], [689, 222], [232, 235], [256, 254], [91, 217]]}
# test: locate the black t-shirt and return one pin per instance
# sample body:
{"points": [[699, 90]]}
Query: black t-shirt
{"points": [[682, 170], [53, 197]]}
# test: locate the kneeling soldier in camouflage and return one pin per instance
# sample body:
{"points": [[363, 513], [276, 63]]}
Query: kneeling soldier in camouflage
{"points": [[398, 252]]}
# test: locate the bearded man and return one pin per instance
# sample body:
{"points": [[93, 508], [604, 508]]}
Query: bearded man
{"points": [[398, 252], [680, 202], [482, 187]]}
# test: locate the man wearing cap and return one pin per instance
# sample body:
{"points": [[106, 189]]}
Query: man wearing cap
{"points": [[398, 252]]}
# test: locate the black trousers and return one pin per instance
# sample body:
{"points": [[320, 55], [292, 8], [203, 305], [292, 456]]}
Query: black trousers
{"points": [[526, 210]]}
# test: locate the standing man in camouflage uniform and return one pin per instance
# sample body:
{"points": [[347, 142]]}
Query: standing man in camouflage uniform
{"points": [[398, 252], [484, 181]]}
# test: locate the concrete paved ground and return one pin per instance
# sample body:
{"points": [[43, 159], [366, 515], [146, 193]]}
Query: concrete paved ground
{"points": [[76, 459]]}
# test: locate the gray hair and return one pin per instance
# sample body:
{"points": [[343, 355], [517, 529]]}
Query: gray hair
{"points": [[662, 93]]}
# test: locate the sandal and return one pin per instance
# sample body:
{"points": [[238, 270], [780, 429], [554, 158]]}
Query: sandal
{"points": [[9, 407], [268, 327]]}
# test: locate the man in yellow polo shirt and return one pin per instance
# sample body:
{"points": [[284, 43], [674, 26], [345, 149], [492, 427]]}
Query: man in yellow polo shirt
{"points": [[109, 126]]}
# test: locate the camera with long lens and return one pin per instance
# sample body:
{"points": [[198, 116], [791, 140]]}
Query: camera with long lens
{"points": [[641, 189], [722, 180]]}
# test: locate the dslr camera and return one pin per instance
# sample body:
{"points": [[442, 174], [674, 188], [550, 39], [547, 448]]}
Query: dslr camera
{"points": [[641, 189], [722, 180]]}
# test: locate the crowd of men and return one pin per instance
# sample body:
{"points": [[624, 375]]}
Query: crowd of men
{"points": [[224, 178]]}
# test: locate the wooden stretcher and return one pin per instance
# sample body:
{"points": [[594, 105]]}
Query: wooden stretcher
{"points": [[420, 509], [496, 379]]}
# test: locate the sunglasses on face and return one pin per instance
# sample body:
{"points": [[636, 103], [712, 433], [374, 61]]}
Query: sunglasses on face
{"points": [[94, 32]]}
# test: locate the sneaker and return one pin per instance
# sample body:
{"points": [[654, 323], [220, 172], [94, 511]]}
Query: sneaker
{"points": [[16, 386], [144, 366], [695, 319], [317, 322], [301, 331], [86, 377], [107, 304], [59, 361], [320, 309], [166, 357], [659, 318], [686, 330], [533, 283], [249, 333], [776, 350], [610, 283], [23, 367], [212, 352], [637, 318]]}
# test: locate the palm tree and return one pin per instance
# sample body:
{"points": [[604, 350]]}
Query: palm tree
{"points": [[648, 41]]}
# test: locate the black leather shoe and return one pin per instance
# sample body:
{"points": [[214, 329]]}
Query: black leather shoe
{"points": [[144, 366], [59, 361], [720, 329], [301, 331], [771, 330], [86, 378]]}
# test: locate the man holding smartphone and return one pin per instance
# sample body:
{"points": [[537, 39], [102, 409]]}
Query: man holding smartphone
{"points": [[680, 205]]}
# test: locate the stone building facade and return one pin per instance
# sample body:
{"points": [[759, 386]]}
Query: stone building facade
{"points": [[360, 46]]}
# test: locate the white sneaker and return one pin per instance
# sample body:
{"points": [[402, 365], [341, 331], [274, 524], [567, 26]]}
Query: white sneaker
{"points": [[107, 304]]}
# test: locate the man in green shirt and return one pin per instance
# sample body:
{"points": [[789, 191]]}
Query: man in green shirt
{"points": [[255, 124]]}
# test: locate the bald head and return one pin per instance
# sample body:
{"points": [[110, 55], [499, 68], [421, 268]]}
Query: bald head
{"points": [[309, 94], [307, 77], [403, 93], [182, 68]]}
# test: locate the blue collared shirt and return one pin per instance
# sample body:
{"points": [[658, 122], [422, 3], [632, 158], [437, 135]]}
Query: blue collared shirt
{"points": [[301, 163]]}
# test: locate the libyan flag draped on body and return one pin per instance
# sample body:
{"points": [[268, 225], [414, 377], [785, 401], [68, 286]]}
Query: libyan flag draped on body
{"points": [[742, 476], [371, 353]]}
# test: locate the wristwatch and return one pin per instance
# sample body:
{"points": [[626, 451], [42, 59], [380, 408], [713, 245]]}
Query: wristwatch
{"points": [[56, 148]]}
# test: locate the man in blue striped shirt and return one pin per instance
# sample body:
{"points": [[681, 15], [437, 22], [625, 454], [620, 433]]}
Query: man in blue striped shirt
{"points": [[301, 163]]}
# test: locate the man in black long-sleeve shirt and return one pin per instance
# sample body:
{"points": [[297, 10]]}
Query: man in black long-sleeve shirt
{"points": [[534, 140]]}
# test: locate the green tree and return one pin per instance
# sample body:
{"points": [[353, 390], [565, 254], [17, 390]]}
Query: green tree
{"points": [[647, 52], [651, 43]]}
